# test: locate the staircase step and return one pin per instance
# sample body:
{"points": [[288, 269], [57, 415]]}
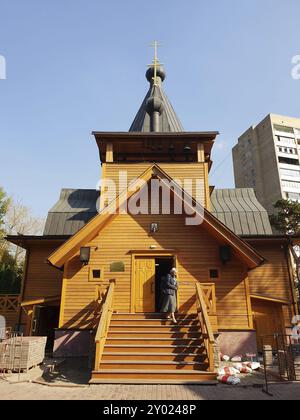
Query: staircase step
{"points": [[203, 381], [156, 322], [171, 357], [155, 334], [156, 341], [137, 328], [153, 365], [156, 376], [123, 315], [139, 348]]}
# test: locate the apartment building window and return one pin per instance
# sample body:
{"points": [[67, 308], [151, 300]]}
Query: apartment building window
{"points": [[290, 172], [286, 141], [291, 184], [283, 128], [287, 150], [293, 196], [288, 161]]}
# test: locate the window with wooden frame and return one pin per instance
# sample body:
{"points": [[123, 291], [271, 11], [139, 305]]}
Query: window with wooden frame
{"points": [[96, 273]]}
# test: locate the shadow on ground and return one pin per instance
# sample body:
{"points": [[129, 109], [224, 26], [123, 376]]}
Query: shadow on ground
{"points": [[69, 372]]}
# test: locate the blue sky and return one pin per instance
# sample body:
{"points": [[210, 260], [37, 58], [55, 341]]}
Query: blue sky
{"points": [[74, 66]]}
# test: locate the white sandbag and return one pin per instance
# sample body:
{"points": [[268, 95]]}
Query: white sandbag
{"points": [[237, 359], [229, 380], [225, 358], [253, 365], [242, 367], [228, 370]]}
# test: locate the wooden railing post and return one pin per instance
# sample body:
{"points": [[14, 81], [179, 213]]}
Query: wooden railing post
{"points": [[104, 323], [206, 327]]}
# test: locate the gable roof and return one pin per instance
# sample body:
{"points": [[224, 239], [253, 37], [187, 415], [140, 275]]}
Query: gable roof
{"points": [[211, 223], [240, 211]]}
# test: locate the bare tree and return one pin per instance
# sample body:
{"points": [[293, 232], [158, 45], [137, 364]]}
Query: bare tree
{"points": [[20, 221]]}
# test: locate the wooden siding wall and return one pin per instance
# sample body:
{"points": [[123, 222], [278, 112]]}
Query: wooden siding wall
{"points": [[272, 280], [179, 171], [196, 250], [41, 279]]}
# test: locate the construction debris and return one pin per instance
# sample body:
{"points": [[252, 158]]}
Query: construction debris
{"points": [[229, 380], [21, 353]]}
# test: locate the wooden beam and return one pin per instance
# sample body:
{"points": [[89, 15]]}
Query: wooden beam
{"points": [[109, 153], [269, 299], [40, 301], [63, 296], [207, 189], [248, 302]]}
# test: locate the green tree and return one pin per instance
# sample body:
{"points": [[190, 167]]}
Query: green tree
{"points": [[286, 220], [287, 217], [10, 271]]}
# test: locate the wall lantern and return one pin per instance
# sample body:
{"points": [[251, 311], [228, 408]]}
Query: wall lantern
{"points": [[85, 253], [225, 254], [154, 227]]}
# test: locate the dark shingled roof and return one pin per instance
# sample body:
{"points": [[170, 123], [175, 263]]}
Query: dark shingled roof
{"points": [[238, 209], [72, 211], [241, 212]]}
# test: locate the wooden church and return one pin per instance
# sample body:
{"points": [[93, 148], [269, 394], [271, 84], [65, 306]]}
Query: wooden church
{"points": [[92, 282]]}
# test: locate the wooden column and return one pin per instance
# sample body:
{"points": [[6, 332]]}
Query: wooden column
{"points": [[200, 153], [109, 153]]}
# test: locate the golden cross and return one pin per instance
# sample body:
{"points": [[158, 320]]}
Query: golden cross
{"points": [[155, 63]]}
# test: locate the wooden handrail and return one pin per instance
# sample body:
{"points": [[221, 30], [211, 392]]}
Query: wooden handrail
{"points": [[206, 327], [9, 303], [104, 322]]}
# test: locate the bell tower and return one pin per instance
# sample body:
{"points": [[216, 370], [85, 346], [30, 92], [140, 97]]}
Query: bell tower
{"points": [[156, 135]]}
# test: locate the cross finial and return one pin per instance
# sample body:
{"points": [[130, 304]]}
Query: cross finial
{"points": [[155, 63]]}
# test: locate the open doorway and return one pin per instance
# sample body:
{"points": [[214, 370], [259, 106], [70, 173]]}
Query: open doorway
{"points": [[45, 321], [163, 265]]}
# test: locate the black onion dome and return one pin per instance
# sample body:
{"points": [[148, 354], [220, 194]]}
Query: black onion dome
{"points": [[160, 73], [154, 104]]}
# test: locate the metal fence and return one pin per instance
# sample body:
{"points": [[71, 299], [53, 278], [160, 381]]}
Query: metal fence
{"points": [[281, 356]]}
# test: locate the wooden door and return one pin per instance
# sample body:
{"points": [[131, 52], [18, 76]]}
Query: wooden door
{"points": [[144, 284], [268, 320]]}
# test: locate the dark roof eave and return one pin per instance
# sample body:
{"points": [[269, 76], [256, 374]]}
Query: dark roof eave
{"points": [[23, 240], [270, 237], [132, 134]]}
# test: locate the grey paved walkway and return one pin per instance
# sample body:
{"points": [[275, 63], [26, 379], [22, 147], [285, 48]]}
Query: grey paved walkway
{"points": [[30, 391]]}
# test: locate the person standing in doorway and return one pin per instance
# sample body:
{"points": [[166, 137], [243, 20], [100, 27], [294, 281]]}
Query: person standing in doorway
{"points": [[169, 300]]}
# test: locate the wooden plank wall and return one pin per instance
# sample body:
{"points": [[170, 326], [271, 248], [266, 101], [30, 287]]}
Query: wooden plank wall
{"points": [[197, 252], [179, 171], [272, 278], [41, 279]]}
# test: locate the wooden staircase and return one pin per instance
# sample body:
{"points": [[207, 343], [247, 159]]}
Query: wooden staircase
{"points": [[146, 348]]}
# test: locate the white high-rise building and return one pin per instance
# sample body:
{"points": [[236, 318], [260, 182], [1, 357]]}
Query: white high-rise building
{"points": [[267, 158]]}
